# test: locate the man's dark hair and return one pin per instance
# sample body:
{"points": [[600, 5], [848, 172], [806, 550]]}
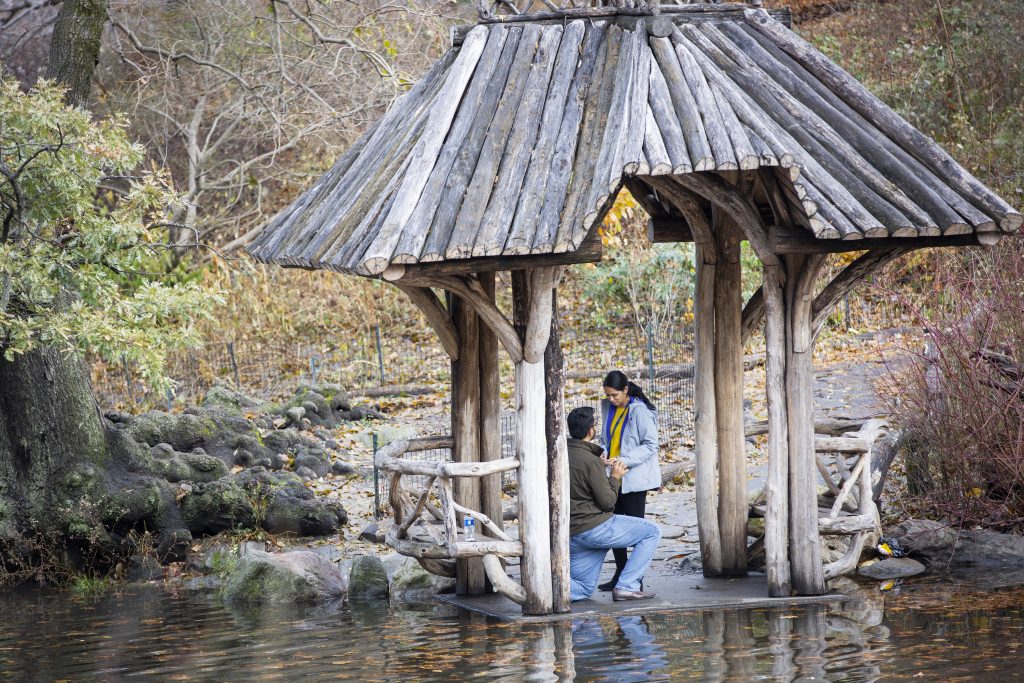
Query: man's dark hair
{"points": [[580, 420]]}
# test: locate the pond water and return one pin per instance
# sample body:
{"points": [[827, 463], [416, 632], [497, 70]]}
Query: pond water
{"points": [[923, 631]]}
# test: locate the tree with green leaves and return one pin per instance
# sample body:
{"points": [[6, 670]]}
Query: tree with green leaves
{"points": [[80, 234]]}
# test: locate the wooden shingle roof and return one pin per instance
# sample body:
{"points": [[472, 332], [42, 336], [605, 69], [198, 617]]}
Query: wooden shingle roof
{"points": [[517, 141]]}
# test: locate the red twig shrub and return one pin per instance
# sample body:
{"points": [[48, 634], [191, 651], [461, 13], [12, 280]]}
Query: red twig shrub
{"points": [[961, 399]]}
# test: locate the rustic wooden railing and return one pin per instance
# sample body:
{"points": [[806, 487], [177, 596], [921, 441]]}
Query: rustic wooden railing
{"points": [[429, 532], [849, 507]]}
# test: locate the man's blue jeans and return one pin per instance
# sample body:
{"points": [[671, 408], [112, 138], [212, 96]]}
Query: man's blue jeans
{"points": [[588, 549]]}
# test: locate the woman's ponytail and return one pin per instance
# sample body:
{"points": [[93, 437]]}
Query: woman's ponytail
{"points": [[617, 380], [637, 392]]}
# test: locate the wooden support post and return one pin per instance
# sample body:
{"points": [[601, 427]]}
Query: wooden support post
{"points": [[705, 422], [470, 577], [558, 463], [732, 477], [804, 540], [776, 522], [490, 412], [531, 449]]}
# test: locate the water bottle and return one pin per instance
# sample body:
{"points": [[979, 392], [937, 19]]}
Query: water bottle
{"points": [[469, 528]]}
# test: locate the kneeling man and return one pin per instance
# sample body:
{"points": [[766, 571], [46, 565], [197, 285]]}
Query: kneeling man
{"points": [[593, 529]]}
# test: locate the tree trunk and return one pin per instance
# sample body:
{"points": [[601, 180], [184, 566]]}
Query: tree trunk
{"points": [[50, 425], [558, 463], [75, 47]]}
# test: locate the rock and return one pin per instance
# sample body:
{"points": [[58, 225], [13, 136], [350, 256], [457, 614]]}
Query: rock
{"points": [[223, 397], [892, 568], [182, 431], [173, 545], [671, 531], [332, 444], [295, 414], [923, 536], [217, 506], [676, 472], [276, 461], [339, 467], [369, 579], [247, 547], [305, 473], [412, 583], [142, 568], [690, 565], [205, 467], [314, 460], [310, 408], [295, 577], [245, 458], [371, 532]]}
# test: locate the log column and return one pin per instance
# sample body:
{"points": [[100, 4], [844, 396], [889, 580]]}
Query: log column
{"points": [[532, 299], [776, 520], [490, 413], [558, 463], [466, 419], [804, 540], [732, 472]]}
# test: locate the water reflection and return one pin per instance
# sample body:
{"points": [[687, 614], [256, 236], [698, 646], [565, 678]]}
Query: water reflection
{"points": [[936, 632]]}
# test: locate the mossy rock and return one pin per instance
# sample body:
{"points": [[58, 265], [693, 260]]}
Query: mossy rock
{"points": [[217, 506], [412, 583], [297, 577], [223, 397], [182, 431], [369, 579]]}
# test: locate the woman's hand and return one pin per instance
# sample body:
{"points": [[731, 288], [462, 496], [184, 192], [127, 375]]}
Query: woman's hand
{"points": [[618, 469]]}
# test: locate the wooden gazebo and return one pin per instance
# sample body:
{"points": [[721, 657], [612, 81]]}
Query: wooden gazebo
{"points": [[726, 126]]}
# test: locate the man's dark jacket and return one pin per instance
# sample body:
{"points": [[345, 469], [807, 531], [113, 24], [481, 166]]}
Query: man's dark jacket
{"points": [[592, 493]]}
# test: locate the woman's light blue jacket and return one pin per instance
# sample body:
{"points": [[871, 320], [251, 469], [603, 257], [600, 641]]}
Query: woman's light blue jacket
{"points": [[639, 448]]}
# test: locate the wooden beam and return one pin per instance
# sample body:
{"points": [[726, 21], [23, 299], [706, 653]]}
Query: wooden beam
{"points": [[588, 252], [668, 229], [843, 283], [789, 240]]}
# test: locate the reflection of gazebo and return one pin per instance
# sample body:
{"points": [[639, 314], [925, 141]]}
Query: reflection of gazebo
{"points": [[725, 126]]}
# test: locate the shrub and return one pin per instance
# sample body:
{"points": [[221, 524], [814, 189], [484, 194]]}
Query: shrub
{"points": [[961, 399]]}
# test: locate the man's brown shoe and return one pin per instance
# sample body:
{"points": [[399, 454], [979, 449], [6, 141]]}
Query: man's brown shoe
{"points": [[618, 595]]}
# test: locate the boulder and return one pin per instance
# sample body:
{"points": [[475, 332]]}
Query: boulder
{"points": [[923, 536], [181, 431], [372, 533], [216, 506], [305, 473], [369, 579], [141, 568], [939, 546], [412, 583], [294, 577], [892, 568], [222, 397], [295, 415], [315, 460]]}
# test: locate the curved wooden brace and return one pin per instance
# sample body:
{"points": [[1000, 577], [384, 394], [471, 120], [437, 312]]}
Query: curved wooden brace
{"points": [[472, 292], [501, 581], [437, 315], [742, 209], [843, 283]]}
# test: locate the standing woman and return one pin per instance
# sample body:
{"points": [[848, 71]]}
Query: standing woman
{"points": [[630, 434]]}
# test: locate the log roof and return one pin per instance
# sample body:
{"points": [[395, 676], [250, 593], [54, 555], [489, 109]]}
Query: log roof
{"points": [[518, 139]]}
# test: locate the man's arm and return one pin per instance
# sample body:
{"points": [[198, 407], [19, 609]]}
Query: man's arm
{"points": [[605, 488]]}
